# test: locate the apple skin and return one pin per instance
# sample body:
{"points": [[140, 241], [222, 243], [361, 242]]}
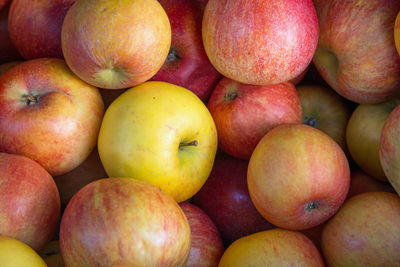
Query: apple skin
{"points": [[48, 114], [301, 162], [360, 182], [244, 113], [260, 42], [389, 146], [99, 49], [357, 57], [206, 243], [36, 31], [187, 64], [29, 201], [3, 3], [397, 32], [276, 247], [225, 198], [363, 135], [325, 110], [364, 232], [161, 133], [8, 52], [123, 222], [18, 254], [6, 66]]}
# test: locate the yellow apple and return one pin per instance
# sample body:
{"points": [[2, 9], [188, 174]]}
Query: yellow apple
{"points": [[18, 254], [161, 133]]}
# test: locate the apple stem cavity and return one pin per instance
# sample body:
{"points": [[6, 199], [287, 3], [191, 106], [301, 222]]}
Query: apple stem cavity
{"points": [[172, 55], [193, 143], [310, 121], [311, 206], [30, 99], [232, 94]]}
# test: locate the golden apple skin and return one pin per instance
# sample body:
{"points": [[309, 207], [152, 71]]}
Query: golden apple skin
{"points": [[276, 247], [161, 133], [116, 44], [17, 254]]}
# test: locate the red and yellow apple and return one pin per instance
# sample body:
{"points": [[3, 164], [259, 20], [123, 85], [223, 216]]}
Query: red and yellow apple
{"points": [[298, 176], [115, 44], [123, 222], [161, 133], [48, 114], [260, 42]]}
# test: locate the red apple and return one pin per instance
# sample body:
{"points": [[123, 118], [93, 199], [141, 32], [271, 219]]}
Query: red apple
{"points": [[206, 245], [123, 222], [244, 113], [357, 56], [298, 176], [360, 182], [389, 146], [116, 44], [260, 42], [48, 114], [36, 31], [8, 52], [29, 201], [315, 234], [71, 182], [187, 63], [364, 232], [225, 198]]}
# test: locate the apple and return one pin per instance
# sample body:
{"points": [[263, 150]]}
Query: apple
{"points": [[360, 182], [110, 95], [304, 163], [364, 232], [8, 52], [357, 56], [389, 145], [36, 31], [363, 135], [315, 234], [3, 3], [225, 199], [161, 133], [397, 32], [48, 114], [276, 247], [18, 254], [187, 64], [206, 243], [115, 44], [6, 66], [325, 110], [51, 254], [29, 201], [88, 171], [260, 42], [244, 113], [123, 222]]}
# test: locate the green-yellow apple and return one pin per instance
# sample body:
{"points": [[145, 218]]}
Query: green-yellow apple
{"points": [[276, 247], [29, 201], [364, 232], [115, 44], [325, 110], [260, 42], [124, 222], [298, 176], [48, 114], [14, 253], [363, 135], [356, 56], [389, 148], [161, 133], [244, 113]]}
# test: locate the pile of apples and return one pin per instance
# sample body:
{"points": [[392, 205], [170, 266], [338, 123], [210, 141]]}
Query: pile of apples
{"points": [[199, 133]]}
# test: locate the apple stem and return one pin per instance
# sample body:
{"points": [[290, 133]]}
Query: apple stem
{"points": [[172, 55], [310, 121], [311, 206], [30, 99], [193, 143]]}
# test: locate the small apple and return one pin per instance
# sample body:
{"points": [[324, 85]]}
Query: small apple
{"points": [[36, 31], [29, 201], [187, 64], [364, 232], [161, 133], [123, 222], [226, 200], [363, 135], [357, 56], [206, 245], [360, 182], [48, 114], [304, 163], [115, 44], [260, 42], [276, 247], [244, 113], [18, 254]]}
